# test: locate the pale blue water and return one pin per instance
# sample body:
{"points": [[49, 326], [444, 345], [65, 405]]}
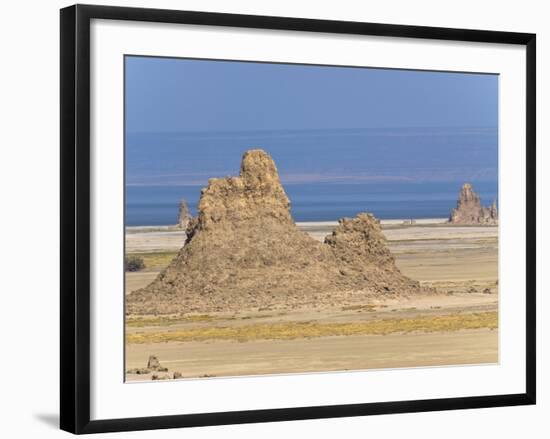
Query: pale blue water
{"points": [[158, 205], [162, 168], [415, 154]]}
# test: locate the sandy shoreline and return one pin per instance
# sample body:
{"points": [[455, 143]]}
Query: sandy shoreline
{"points": [[170, 238], [397, 221]]}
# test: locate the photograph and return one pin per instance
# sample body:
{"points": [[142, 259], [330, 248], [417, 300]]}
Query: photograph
{"points": [[294, 218], [275, 219]]}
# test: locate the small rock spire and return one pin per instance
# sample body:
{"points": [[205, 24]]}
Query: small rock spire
{"points": [[470, 211], [183, 214]]}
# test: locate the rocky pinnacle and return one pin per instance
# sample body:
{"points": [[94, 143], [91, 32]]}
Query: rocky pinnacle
{"points": [[244, 251], [470, 211]]}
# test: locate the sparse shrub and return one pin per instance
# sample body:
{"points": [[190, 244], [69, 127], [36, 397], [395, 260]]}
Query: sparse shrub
{"points": [[133, 263]]}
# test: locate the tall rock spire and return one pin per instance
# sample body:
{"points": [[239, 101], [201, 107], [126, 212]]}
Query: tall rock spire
{"points": [[244, 251]]}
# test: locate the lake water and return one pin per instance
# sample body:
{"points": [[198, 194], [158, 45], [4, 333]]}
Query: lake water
{"points": [[158, 204], [327, 173]]}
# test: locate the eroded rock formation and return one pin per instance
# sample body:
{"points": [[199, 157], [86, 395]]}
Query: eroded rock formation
{"points": [[183, 215], [153, 365], [470, 211], [244, 251]]}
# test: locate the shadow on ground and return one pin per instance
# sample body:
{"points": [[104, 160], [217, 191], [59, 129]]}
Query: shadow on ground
{"points": [[49, 419]]}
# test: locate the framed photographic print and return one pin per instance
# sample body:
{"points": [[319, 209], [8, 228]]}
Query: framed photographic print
{"points": [[268, 218]]}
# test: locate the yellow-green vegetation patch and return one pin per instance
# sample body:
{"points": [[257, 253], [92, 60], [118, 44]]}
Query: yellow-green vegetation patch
{"points": [[310, 329], [359, 308], [257, 316], [155, 260], [140, 322]]}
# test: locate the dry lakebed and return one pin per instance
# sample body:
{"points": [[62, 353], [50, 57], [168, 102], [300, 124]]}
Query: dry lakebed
{"points": [[456, 326]]}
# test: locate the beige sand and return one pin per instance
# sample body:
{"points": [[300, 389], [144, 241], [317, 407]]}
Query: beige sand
{"points": [[138, 280], [154, 240], [194, 359], [460, 261]]}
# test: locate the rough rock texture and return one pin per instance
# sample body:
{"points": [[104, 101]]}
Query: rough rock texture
{"points": [[243, 251], [153, 362], [183, 215], [139, 371], [470, 211], [156, 377], [153, 365]]}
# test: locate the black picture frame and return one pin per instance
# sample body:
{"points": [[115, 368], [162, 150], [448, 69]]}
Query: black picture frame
{"points": [[75, 217]]}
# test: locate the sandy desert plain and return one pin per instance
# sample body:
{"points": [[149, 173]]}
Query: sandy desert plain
{"points": [[457, 326]]}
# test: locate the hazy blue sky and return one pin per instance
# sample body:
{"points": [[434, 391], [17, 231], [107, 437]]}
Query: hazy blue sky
{"points": [[167, 95], [188, 120]]}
